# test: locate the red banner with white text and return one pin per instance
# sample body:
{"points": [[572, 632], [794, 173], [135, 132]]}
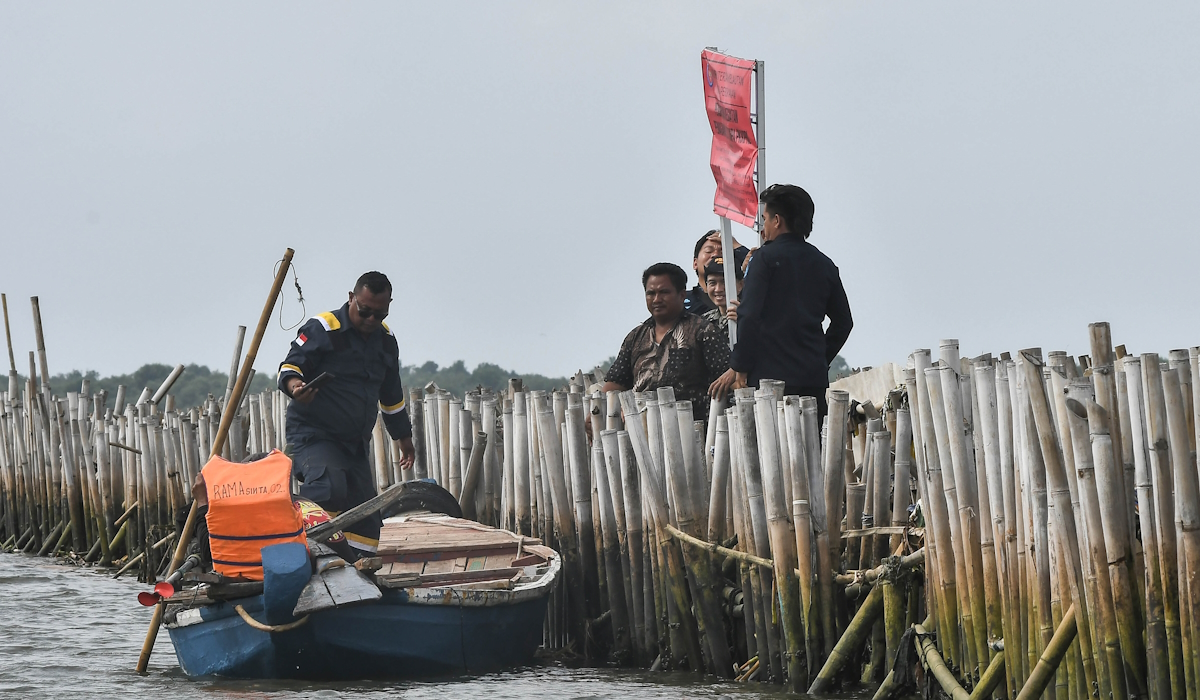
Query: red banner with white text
{"points": [[734, 156]]}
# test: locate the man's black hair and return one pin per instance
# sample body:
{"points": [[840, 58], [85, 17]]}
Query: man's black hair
{"points": [[375, 281], [793, 204], [700, 243], [676, 274]]}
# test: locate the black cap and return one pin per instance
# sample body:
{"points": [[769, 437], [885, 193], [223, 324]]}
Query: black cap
{"points": [[716, 266]]}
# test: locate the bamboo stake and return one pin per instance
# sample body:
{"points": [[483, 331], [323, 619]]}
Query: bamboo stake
{"points": [[850, 642], [222, 435], [938, 517], [782, 537], [1059, 491], [1156, 635], [1164, 515], [1187, 501], [1040, 677], [960, 525], [1079, 392], [1116, 543]]}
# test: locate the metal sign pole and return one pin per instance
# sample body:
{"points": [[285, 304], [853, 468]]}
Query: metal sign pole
{"points": [[760, 131], [730, 276]]}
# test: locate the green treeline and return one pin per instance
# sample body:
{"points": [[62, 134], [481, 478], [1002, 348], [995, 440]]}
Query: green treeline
{"points": [[191, 389], [458, 380], [198, 381]]}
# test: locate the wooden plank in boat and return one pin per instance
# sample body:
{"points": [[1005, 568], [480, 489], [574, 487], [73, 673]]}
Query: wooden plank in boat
{"points": [[443, 534], [443, 566], [349, 585], [529, 560], [451, 578], [465, 576], [539, 549], [452, 554]]}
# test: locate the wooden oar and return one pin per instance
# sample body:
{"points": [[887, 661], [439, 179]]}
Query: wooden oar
{"points": [[328, 528], [185, 537]]}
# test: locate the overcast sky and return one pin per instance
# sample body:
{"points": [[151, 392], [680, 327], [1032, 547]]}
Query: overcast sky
{"points": [[1001, 173]]}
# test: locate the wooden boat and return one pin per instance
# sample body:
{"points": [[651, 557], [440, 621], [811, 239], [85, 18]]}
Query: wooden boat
{"points": [[445, 596]]}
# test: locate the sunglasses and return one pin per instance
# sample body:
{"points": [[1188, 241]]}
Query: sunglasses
{"points": [[370, 313]]}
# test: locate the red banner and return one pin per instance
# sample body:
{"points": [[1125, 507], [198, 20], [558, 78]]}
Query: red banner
{"points": [[734, 147]]}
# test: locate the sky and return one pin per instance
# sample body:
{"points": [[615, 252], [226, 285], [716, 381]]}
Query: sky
{"points": [[1001, 173]]}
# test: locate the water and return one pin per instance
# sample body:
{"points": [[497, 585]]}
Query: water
{"points": [[66, 631]]}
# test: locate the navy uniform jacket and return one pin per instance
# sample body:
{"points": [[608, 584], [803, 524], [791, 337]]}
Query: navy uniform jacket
{"points": [[366, 379], [790, 288]]}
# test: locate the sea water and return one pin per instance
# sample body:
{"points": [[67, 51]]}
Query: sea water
{"points": [[75, 632]]}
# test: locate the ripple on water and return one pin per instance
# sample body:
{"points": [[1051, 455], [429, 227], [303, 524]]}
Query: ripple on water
{"points": [[54, 646]]}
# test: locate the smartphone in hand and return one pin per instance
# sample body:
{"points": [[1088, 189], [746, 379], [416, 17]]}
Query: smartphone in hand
{"points": [[318, 381]]}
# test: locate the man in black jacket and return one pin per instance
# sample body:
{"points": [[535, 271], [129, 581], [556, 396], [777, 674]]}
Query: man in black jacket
{"points": [[329, 428], [791, 287]]}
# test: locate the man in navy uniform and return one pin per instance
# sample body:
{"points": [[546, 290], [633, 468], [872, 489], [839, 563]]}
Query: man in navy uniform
{"points": [[329, 428], [791, 288]]}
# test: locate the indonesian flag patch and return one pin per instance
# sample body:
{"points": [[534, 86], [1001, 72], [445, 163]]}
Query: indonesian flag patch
{"points": [[301, 339]]}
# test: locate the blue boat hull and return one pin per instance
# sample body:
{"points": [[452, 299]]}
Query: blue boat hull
{"points": [[386, 639]]}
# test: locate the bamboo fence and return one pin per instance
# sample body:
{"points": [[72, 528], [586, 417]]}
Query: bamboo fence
{"points": [[1022, 525]]}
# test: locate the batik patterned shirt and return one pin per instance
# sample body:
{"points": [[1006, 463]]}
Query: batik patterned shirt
{"points": [[690, 357]]}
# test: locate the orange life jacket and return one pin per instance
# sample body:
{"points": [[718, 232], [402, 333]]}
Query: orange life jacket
{"points": [[249, 507]]}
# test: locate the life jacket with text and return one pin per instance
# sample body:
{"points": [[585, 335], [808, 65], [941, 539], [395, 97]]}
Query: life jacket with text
{"points": [[249, 507]]}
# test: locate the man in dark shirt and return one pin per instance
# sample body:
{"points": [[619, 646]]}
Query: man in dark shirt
{"points": [[673, 347], [329, 428], [791, 287]]}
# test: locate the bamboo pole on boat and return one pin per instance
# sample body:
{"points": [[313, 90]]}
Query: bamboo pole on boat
{"points": [[222, 435]]}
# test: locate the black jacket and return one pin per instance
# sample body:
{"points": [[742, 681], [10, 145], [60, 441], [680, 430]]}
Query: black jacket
{"points": [[790, 288], [696, 301], [366, 380]]}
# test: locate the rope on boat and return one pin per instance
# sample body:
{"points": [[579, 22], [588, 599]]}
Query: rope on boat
{"points": [[268, 628]]}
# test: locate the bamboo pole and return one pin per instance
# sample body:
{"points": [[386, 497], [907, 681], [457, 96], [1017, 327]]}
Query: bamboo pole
{"points": [[222, 435], [802, 521], [938, 517], [1079, 393], [959, 518], [847, 647], [1156, 636], [1162, 482], [1187, 501], [1116, 546], [1058, 490], [1040, 677], [782, 537], [466, 500], [657, 501]]}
